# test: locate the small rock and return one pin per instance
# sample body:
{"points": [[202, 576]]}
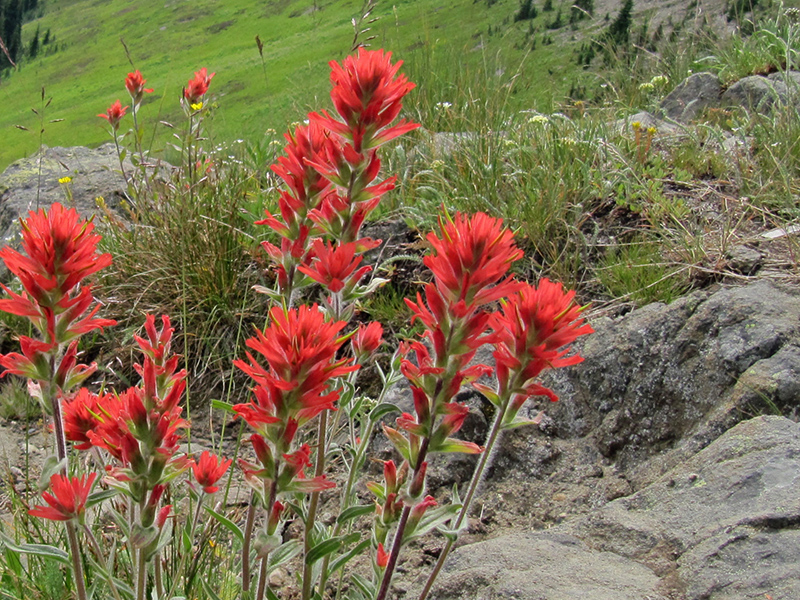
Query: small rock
{"points": [[279, 578], [744, 260], [691, 97]]}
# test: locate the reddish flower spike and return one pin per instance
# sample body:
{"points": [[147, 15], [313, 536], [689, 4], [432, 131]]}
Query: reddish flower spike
{"points": [[68, 499], [335, 266], [208, 470], [114, 114], [134, 83], [197, 86]]}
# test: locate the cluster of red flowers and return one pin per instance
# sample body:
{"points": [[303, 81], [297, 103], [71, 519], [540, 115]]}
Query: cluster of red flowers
{"points": [[60, 252], [193, 95], [330, 169], [300, 350]]}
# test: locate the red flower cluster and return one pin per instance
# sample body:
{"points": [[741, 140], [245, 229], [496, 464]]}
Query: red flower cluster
{"points": [[534, 330], [330, 170], [114, 114], [197, 86], [367, 94], [61, 252], [299, 347], [208, 470], [141, 427], [470, 270], [134, 83], [68, 500]]}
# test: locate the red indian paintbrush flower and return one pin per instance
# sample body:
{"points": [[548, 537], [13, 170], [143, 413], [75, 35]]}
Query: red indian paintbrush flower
{"points": [[197, 86], [300, 348], [534, 329], [134, 83], [367, 94], [208, 470], [68, 499], [61, 251], [471, 257], [114, 114], [367, 339], [335, 266]]}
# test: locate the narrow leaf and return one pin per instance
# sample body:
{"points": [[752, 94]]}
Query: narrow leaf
{"points": [[226, 523], [323, 549], [354, 512], [346, 557]]}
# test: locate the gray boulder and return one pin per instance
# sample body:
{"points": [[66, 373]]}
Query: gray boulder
{"points": [[542, 566], [32, 183], [692, 96], [666, 376], [756, 93], [720, 526]]}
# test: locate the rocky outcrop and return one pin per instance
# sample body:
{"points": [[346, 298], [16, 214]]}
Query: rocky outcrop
{"points": [[720, 526], [691, 97], [698, 93], [32, 183]]}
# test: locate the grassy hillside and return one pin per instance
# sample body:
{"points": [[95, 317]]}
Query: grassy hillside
{"points": [[168, 41]]}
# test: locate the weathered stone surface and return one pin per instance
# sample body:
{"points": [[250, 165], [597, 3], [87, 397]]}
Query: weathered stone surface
{"points": [[745, 260], [692, 96], [646, 120], [32, 183], [542, 566], [653, 377], [755, 93], [723, 524]]}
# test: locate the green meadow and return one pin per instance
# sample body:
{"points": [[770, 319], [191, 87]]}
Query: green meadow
{"points": [[83, 70]]}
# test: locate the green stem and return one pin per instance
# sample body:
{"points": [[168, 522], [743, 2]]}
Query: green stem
{"points": [[77, 567], [182, 565], [98, 553], [401, 528], [477, 475], [264, 570], [141, 574], [312, 507]]}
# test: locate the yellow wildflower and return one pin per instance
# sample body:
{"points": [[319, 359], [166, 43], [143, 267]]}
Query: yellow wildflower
{"points": [[65, 180]]}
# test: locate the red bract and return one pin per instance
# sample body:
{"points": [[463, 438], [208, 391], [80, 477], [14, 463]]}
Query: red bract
{"points": [[300, 348], [208, 470], [68, 499], [197, 86], [367, 94], [367, 339], [304, 181], [134, 83], [335, 266], [471, 258], [534, 326], [61, 251], [82, 414], [114, 114]]}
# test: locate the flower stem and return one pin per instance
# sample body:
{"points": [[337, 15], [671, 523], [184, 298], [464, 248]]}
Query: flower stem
{"points": [[98, 553], [477, 475], [264, 570], [182, 565], [77, 567], [401, 527], [248, 534], [312, 507]]}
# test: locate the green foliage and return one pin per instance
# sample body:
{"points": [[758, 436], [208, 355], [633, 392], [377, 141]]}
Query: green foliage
{"points": [[16, 402], [639, 273]]}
